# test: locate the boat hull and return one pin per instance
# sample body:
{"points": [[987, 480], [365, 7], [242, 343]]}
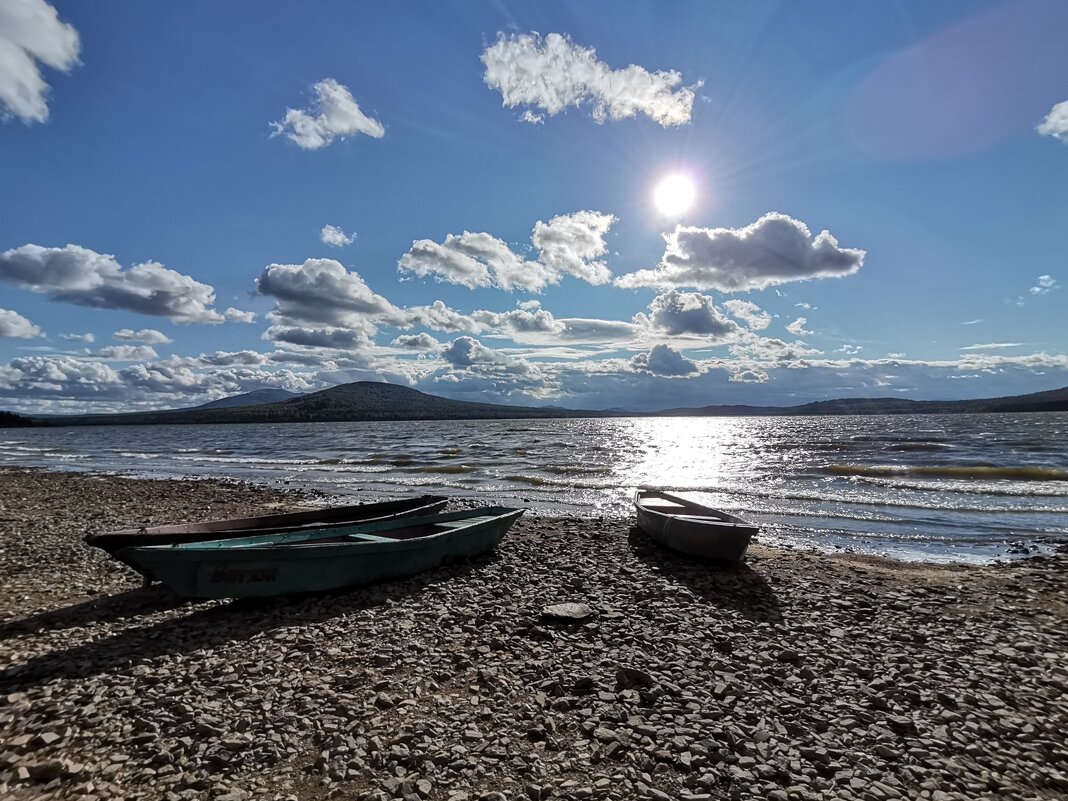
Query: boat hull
{"points": [[261, 571], [723, 540], [114, 543]]}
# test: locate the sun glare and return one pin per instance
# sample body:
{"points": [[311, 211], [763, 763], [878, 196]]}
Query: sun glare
{"points": [[674, 195]]}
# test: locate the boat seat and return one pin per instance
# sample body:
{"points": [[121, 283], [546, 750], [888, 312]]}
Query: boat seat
{"points": [[467, 521], [368, 538]]}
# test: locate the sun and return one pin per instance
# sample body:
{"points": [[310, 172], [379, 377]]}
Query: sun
{"points": [[674, 195]]}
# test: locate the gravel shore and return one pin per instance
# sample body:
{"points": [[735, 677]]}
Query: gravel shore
{"points": [[796, 676]]}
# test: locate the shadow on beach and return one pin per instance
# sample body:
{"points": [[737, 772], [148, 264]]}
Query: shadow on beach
{"points": [[737, 587], [214, 626], [120, 605]]}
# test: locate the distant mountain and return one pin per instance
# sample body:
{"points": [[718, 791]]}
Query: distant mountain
{"points": [[1054, 400], [360, 401], [368, 400], [12, 420], [253, 398]]}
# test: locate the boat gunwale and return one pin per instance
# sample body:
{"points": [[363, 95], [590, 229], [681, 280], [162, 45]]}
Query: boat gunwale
{"points": [[313, 549]]}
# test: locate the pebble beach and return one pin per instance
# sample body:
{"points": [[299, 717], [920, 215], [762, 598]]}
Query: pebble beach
{"points": [[795, 676]]}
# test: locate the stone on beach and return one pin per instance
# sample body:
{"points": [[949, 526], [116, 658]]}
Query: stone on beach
{"points": [[798, 677]]}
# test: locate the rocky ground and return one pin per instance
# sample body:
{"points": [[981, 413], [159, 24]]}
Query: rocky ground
{"points": [[797, 676]]}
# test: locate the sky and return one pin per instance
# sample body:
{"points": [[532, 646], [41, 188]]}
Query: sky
{"points": [[592, 205]]}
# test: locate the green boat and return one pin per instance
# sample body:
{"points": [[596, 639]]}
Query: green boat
{"points": [[321, 559]]}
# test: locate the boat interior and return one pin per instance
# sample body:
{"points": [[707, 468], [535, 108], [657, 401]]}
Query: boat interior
{"points": [[667, 507], [394, 534]]}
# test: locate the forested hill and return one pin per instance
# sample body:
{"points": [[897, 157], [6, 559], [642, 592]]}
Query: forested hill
{"points": [[1054, 400]]}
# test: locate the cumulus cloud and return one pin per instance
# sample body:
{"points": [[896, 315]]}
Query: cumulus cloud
{"points": [[237, 316], [569, 244], [664, 360], [748, 376], [417, 342], [676, 312], [78, 337], [749, 313], [13, 324], [797, 327], [146, 336], [775, 249], [530, 323], [330, 337], [1044, 285], [127, 353], [467, 352], [82, 276], [334, 114], [553, 73], [336, 237], [474, 260], [31, 33], [440, 317], [322, 291], [1056, 123]]}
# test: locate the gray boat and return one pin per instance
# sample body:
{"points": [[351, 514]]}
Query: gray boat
{"points": [[690, 528]]}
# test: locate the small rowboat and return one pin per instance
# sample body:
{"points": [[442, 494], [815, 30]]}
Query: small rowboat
{"points": [[114, 542], [328, 558], [691, 528]]}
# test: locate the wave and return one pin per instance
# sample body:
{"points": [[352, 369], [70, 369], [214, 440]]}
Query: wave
{"points": [[449, 469], [955, 471]]}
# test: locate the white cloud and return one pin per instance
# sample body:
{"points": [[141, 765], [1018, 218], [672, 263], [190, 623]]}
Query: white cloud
{"points": [[749, 376], [440, 317], [749, 313], [78, 337], [569, 244], [664, 360], [530, 323], [1056, 123], [237, 316], [676, 313], [972, 322], [31, 32], [774, 250], [336, 237], [13, 324], [127, 353], [78, 275], [797, 327], [333, 114], [146, 336], [1044, 285], [467, 352], [553, 74], [992, 346], [474, 260]]}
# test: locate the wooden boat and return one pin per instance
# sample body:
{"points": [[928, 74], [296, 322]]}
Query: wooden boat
{"points": [[327, 558], [691, 528], [114, 542]]}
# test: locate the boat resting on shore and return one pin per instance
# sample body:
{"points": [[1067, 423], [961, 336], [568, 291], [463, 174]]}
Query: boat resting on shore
{"points": [[692, 528], [322, 559], [114, 542]]}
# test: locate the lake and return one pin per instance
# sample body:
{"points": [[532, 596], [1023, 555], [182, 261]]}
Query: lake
{"points": [[930, 487]]}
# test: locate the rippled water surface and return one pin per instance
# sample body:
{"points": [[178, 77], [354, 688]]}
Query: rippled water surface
{"points": [[933, 487]]}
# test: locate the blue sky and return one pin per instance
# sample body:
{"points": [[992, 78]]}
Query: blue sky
{"points": [[212, 143]]}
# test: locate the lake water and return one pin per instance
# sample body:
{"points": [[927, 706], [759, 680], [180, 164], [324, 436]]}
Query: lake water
{"points": [[931, 487]]}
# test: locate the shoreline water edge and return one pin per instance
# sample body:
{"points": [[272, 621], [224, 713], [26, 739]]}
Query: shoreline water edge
{"points": [[794, 676]]}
